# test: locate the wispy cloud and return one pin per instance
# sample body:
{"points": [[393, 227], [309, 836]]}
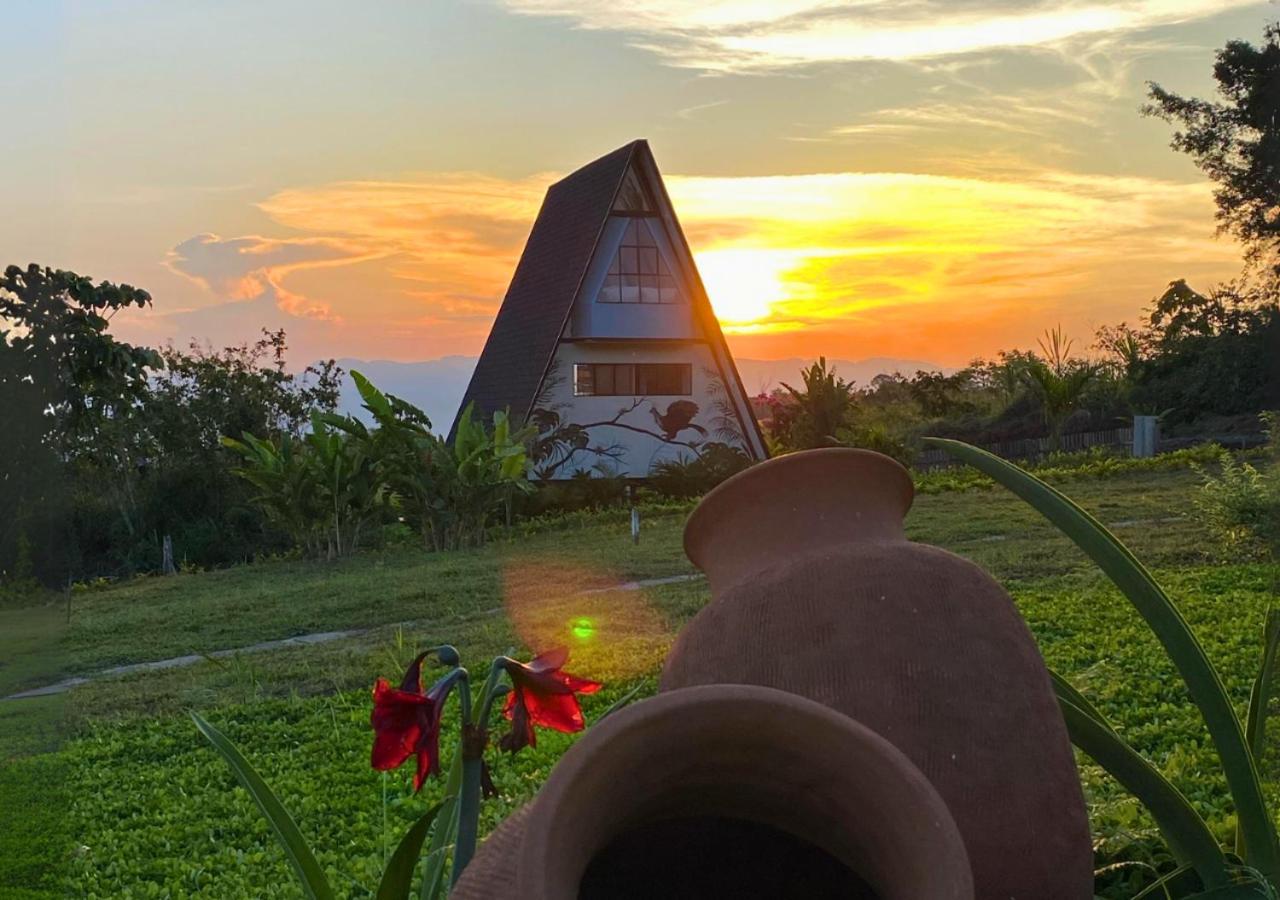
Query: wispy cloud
{"points": [[690, 111], [247, 268], [728, 35]]}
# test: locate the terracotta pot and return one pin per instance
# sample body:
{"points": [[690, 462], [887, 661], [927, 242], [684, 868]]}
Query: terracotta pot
{"points": [[727, 791], [816, 591]]}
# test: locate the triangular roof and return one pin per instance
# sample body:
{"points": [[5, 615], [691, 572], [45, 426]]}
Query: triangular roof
{"points": [[548, 278]]}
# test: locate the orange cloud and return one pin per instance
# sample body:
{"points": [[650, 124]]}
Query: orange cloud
{"points": [[870, 263]]}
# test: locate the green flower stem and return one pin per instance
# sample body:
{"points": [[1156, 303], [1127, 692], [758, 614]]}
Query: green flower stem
{"points": [[491, 690], [475, 735], [468, 812]]}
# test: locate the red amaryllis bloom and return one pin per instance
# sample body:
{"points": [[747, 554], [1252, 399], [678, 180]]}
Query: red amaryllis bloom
{"points": [[543, 695], [406, 722]]}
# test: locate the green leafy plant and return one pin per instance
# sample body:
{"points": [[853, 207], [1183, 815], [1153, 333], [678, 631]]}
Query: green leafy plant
{"points": [[694, 476], [397, 876], [406, 721], [820, 409], [323, 489], [448, 490], [1237, 743], [1242, 502], [1059, 381]]}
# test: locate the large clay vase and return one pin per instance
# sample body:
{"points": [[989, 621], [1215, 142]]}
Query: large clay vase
{"points": [[816, 591], [730, 791]]}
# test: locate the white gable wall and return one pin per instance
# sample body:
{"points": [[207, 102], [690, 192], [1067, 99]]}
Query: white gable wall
{"points": [[637, 443]]}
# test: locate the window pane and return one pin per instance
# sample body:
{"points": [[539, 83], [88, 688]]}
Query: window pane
{"points": [[664, 379], [649, 291], [627, 259], [604, 381], [648, 260], [610, 292], [583, 383], [630, 289], [625, 379]]}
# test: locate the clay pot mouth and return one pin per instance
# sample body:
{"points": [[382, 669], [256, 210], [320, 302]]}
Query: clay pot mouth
{"points": [[794, 504], [744, 764]]}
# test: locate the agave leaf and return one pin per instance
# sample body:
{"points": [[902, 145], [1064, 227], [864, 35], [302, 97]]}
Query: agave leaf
{"points": [[1255, 729], [1175, 884], [397, 878], [1189, 838], [312, 878], [443, 835], [1248, 891], [618, 704], [1067, 691], [1169, 627]]}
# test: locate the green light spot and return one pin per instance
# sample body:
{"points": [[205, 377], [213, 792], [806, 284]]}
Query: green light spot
{"points": [[583, 629]]}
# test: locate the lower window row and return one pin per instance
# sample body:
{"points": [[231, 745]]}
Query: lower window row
{"points": [[632, 379]]}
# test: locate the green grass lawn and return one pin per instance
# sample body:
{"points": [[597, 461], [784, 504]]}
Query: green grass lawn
{"points": [[147, 810]]}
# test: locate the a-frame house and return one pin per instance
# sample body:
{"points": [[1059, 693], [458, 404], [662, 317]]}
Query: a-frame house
{"points": [[606, 341]]}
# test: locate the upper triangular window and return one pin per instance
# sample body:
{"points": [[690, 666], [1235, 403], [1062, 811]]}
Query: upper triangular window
{"points": [[638, 272], [632, 196]]}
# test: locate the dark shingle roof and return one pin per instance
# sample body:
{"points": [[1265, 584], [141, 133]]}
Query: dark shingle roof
{"points": [[555, 259]]}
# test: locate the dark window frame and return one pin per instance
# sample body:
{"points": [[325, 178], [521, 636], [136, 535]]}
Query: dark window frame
{"points": [[638, 272], [614, 379]]}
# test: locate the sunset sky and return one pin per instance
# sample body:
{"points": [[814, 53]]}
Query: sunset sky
{"points": [[931, 179]]}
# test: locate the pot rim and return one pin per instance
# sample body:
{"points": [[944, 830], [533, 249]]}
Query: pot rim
{"points": [[720, 502], [665, 756]]}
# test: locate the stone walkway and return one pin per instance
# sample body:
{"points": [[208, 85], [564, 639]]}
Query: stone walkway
{"points": [[302, 640]]}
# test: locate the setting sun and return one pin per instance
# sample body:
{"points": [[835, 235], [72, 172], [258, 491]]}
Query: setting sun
{"points": [[743, 284]]}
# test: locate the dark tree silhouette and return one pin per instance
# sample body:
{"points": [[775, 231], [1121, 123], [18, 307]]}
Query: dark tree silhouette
{"points": [[1236, 141]]}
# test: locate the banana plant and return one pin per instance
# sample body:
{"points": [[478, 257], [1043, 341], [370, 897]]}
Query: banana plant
{"points": [[1238, 744], [288, 492], [449, 490], [323, 490]]}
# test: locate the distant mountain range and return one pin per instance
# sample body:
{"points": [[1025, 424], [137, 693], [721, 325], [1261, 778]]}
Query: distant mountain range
{"points": [[437, 385]]}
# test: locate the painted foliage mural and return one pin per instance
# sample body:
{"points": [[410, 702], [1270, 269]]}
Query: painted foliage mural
{"points": [[678, 432]]}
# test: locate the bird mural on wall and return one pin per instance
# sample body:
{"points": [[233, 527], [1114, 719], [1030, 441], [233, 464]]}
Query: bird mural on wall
{"points": [[677, 418]]}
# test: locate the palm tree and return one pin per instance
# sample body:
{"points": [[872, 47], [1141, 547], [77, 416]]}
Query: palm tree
{"points": [[1059, 381], [821, 407]]}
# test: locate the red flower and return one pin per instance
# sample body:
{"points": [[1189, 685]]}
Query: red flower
{"points": [[543, 695], [406, 721]]}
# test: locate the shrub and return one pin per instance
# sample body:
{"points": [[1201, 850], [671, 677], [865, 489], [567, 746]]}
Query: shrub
{"points": [[1242, 503], [586, 490], [691, 477]]}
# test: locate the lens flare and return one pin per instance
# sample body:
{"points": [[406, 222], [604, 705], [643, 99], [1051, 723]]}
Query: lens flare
{"points": [[612, 635]]}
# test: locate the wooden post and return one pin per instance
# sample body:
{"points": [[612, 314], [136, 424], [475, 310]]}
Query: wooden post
{"points": [[635, 514], [166, 550]]}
